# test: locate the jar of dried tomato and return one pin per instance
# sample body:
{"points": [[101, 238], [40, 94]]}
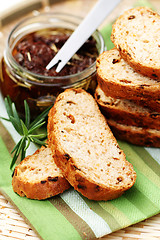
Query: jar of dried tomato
{"points": [[30, 46]]}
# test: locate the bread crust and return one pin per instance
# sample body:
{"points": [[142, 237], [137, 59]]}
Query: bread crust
{"points": [[127, 112], [148, 21], [135, 135], [68, 164], [77, 179], [46, 188], [117, 86], [154, 106]]}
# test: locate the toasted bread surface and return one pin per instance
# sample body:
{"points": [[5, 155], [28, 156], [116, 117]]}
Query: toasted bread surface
{"points": [[117, 79], [86, 150], [38, 177], [136, 34], [153, 105], [127, 112], [135, 135]]}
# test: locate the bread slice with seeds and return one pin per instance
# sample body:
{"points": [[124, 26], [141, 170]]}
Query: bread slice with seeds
{"points": [[86, 150], [136, 34], [117, 79], [38, 177], [136, 135], [127, 112]]}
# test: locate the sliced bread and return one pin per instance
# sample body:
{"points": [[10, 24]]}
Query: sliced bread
{"points": [[136, 34], [127, 112], [154, 106], [38, 177], [135, 135], [86, 150], [117, 79]]}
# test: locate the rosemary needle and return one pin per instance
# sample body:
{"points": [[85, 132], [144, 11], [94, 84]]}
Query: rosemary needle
{"points": [[26, 129]]}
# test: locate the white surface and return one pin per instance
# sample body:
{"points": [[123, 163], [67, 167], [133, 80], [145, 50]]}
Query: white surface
{"points": [[155, 153], [8, 4]]}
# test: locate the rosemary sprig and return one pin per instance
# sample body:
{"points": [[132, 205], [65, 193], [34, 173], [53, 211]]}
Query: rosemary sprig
{"points": [[26, 129]]}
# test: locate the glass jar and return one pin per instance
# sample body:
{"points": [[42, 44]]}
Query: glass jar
{"points": [[41, 91]]}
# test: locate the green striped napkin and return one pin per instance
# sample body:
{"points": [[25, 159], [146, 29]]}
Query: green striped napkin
{"points": [[72, 216]]}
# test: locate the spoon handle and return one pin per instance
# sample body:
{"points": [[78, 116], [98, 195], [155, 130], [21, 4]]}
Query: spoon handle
{"points": [[91, 22]]}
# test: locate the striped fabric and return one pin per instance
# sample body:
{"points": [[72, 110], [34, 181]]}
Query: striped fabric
{"points": [[72, 216]]}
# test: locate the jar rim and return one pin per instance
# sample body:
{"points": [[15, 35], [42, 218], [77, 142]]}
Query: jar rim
{"points": [[40, 76]]}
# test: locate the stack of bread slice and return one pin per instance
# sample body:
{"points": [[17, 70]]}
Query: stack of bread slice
{"points": [[129, 78]]}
